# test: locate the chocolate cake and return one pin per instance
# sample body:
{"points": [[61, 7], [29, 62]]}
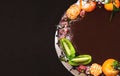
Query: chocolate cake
{"points": [[87, 38]]}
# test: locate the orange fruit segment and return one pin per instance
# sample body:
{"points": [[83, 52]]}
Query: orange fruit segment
{"points": [[109, 6]]}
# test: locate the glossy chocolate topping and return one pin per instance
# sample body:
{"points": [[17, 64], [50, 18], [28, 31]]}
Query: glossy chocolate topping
{"points": [[97, 36]]}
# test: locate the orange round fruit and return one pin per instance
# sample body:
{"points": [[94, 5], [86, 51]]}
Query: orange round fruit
{"points": [[89, 6], [109, 6], [108, 68]]}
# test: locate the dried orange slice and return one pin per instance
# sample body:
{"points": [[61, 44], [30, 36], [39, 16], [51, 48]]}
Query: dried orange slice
{"points": [[73, 11], [95, 69]]}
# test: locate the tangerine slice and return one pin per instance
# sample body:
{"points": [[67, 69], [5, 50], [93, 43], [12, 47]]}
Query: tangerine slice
{"points": [[109, 6]]}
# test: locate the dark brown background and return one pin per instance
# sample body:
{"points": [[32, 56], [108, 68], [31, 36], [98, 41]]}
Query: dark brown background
{"points": [[27, 29]]}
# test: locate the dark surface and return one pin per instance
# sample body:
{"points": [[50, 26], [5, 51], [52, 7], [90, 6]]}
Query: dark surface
{"points": [[27, 31]]}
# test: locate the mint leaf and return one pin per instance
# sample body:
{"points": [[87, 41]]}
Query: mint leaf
{"points": [[115, 10], [116, 65]]}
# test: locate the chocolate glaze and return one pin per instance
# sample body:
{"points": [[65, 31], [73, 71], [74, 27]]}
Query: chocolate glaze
{"points": [[97, 36]]}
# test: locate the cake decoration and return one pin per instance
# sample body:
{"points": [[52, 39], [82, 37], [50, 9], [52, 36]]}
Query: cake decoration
{"points": [[82, 63], [96, 69], [90, 5], [111, 67]]}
